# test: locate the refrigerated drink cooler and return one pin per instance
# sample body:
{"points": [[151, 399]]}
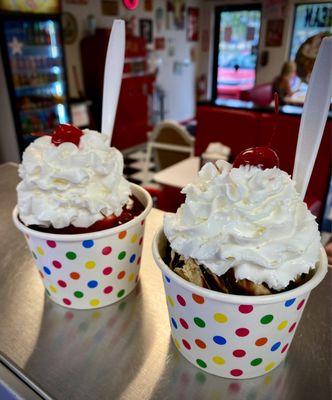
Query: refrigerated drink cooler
{"points": [[33, 58]]}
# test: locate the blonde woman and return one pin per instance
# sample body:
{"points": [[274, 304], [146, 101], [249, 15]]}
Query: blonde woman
{"points": [[282, 83]]}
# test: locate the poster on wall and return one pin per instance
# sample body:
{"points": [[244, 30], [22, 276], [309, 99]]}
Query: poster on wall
{"points": [[159, 43], [110, 7], [192, 24], [177, 68], [145, 29], [159, 17], [175, 14], [171, 47], [275, 9], [274, 32], [148, 5]]}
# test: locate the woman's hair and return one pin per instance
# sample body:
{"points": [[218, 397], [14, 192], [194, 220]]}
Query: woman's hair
{"points": [[287, 68]]}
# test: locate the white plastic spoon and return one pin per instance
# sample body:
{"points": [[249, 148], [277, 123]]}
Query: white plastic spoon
{"points": [[113, 76], [315, 111]]}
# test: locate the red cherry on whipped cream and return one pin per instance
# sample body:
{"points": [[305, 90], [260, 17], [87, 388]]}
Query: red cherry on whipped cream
{"points": [[66, 133], [262, 157]]}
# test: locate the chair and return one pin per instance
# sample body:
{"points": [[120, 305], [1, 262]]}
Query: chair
{"points": [[168, 144], [260, 94]]}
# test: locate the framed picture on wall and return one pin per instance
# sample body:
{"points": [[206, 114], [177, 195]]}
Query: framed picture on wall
{"points": [[145, 29], [159, 43], [192, 24], [274, 32]]}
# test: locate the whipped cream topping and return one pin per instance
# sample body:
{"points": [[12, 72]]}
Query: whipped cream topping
{"points": [[69, 185], [248, 219]]}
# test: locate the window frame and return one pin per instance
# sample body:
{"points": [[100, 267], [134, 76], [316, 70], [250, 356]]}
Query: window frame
{"points": [[216, 35]]}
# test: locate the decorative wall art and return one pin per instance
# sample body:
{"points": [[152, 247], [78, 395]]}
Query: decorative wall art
{"points": [[274, 32], [159, 43], [145, 29], [192, 24], [175, 14], [159, 17], [148, 5], [130, 4]]}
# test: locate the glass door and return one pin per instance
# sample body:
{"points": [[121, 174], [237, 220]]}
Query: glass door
{"points": [[236, 42], [36, 71]]}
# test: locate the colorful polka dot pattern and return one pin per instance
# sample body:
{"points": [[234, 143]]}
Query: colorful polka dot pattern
{"points": [[229, 340], [90, 273]]}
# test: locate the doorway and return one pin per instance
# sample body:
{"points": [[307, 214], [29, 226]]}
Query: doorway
{"points": [[236, 40]]}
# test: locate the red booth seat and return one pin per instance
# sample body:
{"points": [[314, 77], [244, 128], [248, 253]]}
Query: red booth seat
{"points": [[259, 94], [234, 128], [284, 143]]}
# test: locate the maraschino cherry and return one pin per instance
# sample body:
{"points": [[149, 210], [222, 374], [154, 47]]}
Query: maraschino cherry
{"points": [[66, 133], [262, 157]]}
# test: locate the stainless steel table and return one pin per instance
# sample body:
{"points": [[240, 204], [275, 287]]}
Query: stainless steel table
{"points": [[125, 351]]}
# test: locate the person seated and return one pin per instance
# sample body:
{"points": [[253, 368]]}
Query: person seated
{"points": [[282, 83]]}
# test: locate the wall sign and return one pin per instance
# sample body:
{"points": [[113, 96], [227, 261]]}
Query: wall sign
{"points": [[130, 4]]}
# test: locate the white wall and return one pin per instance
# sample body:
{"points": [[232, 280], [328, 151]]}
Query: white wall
{"points": [[8, 142], [277, 55], [180, 89]]}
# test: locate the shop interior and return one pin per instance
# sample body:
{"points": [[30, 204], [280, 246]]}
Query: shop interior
{"points": [[195, 73], [202, 81]]}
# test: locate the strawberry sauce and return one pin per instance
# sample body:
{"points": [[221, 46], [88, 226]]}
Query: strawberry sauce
{"points": [[106, 223]]}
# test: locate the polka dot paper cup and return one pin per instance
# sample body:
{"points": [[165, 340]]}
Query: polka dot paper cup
{"points": [[232, 336], [90, 270]]}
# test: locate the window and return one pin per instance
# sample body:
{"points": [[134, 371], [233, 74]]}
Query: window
{"points": [[310, 19], [236, 41]]}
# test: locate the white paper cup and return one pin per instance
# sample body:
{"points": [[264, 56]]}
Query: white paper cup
{"points": [[228, 335], [90, 270]]}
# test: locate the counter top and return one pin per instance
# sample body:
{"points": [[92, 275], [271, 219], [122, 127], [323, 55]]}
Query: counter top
{"points": [[125, 351], [287, 109]]}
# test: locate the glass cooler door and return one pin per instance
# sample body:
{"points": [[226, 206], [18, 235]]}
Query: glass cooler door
{"points": [[36, 64]]}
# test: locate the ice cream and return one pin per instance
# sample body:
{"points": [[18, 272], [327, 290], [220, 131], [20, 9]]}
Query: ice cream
{"points": [[243, 230], [71, 183], [83, 222]]}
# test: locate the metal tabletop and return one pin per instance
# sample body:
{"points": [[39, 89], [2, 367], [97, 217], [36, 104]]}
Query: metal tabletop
{"points": [[125, 351]]}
